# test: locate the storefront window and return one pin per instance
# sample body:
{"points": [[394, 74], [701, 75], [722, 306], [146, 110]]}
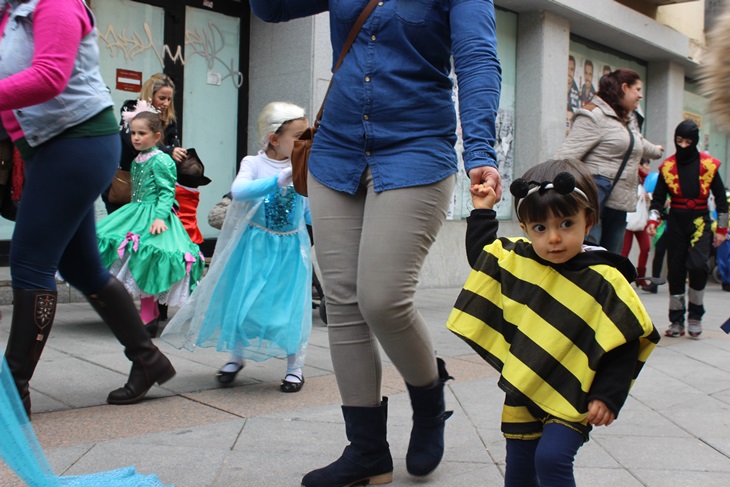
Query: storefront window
{"points": [[586, 66], [507, 50]]}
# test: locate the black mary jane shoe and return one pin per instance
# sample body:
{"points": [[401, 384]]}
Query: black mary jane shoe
{"points": [[289, 386], [226, 378]]}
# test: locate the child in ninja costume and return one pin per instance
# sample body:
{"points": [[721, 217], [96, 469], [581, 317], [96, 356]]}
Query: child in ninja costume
{"points": [[687, 178]]}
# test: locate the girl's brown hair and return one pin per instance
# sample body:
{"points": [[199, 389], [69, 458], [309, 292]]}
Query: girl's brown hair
{"points": [[610, 89], [540, 205], [153, 121]]}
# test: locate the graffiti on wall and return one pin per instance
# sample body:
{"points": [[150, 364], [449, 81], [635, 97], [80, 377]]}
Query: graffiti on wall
{"points": [[207, 43]]}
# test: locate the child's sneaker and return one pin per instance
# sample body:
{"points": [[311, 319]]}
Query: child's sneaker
{"points": [[676, 330], [694, 327]]}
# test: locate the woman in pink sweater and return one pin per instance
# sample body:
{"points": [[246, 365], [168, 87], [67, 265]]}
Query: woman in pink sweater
{"points": [[59, 113]]}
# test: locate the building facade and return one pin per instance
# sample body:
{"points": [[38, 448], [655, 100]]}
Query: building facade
{"points": [[228, 65]]}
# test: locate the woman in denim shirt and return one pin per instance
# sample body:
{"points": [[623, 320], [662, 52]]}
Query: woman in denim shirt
{"points": [[381, 177]]}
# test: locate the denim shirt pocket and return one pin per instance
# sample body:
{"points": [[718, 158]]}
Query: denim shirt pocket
{"points": [[413, 11]]}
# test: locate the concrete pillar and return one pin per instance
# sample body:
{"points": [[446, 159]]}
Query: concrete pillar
{"points": [[543, 45], [664, 104], [289, 62]]}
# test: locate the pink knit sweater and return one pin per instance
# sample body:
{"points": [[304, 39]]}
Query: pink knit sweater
{"points": [[58, 26]]}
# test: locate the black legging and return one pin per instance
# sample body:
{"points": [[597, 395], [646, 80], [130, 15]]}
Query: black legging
{"points": [[660, 248], [56, 228]]}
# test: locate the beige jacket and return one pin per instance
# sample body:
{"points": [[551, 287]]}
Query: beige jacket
{"points": [[600, 139]]}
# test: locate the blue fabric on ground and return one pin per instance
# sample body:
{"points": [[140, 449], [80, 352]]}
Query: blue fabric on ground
{"points": [[21, 451]]}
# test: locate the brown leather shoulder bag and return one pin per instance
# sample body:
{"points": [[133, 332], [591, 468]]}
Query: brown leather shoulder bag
{"points": [[303, 145]]}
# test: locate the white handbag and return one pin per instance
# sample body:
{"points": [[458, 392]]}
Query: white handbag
{"points": [[636, 220]]}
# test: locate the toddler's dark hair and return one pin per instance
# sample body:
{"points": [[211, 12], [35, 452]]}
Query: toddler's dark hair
{"points": [[153, 120], [538, 207]]}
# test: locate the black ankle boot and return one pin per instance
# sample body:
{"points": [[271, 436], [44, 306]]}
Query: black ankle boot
{"points": [[366, 460], [152, 327], [33, 314], [426, 447], [149, 365]]}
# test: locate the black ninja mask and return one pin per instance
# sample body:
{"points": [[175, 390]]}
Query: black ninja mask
{"points": [[687, 130]]}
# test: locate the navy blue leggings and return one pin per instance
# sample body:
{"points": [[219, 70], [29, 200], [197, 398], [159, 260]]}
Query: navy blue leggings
{"points": [[545, 462], [55, 227]]}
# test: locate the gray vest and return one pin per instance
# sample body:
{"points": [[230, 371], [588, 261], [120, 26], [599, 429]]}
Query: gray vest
{"points": [[85, 95]]}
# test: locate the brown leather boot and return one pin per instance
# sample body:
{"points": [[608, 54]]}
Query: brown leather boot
{"points": [[33, 314], [149, 365]]}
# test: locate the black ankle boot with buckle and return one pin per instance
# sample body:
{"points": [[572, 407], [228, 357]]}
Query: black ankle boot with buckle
{"points": [[426, 447]]}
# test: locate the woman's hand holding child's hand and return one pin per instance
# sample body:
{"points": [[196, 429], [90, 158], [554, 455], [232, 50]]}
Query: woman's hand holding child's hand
{"points": [[158, 226], [483, 196], [599, 414]]}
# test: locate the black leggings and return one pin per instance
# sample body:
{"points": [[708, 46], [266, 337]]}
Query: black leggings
{"points": [[55, 228]]}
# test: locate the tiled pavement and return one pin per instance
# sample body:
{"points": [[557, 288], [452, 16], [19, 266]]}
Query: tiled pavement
{"points": [[673, 431]]}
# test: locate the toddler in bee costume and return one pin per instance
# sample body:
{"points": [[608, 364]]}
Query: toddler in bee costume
{"points": [[556, 317]]}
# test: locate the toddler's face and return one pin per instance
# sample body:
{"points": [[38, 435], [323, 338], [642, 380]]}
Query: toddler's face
{"points": [[558, 239]]}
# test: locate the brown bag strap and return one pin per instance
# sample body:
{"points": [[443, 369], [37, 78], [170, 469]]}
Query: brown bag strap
{"points": [[357, 26]]}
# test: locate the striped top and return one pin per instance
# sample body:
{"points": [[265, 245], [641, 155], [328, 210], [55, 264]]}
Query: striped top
{"points": [[548, 328]]}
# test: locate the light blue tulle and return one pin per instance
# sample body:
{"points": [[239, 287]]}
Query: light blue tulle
{"points": [[256, 298], [21, 451]]}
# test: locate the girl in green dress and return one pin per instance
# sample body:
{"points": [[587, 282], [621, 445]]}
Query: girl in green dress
{"points": [[144, 243]]}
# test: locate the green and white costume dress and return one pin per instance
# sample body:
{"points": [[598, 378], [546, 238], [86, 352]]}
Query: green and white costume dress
{"points": [[168, 265]]}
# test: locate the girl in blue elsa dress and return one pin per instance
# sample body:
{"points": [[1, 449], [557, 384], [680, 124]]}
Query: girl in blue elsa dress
{"points": [[255, 300]]}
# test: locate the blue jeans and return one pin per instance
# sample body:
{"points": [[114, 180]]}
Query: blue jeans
{"points": [[544, 462], [55, 227], [609, 233]]}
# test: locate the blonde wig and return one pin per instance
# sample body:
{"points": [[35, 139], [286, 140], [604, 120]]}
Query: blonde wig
{"points": [[273, 117]]}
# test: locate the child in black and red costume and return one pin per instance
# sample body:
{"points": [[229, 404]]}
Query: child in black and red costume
{"points": [[688, 178]]}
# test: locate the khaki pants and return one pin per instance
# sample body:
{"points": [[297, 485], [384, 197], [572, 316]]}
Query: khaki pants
{"points": [[370, 249]]}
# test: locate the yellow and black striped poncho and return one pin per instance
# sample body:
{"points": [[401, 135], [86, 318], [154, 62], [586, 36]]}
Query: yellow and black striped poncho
{"points": [[545, 328]]}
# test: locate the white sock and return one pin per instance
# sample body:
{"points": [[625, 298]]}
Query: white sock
{"points": [[294, 375]]}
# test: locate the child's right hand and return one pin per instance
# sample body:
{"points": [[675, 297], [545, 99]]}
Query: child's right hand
{"points": [[482, 196], [284, 178], [158, 226]]}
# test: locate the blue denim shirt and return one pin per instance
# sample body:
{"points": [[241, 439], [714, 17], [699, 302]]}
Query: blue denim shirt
{"points": [[391, 103], [85, 95]]}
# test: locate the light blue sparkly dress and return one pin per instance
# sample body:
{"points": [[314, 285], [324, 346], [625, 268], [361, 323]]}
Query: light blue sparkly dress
{"points": [[256, 299], [167, 265]]}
